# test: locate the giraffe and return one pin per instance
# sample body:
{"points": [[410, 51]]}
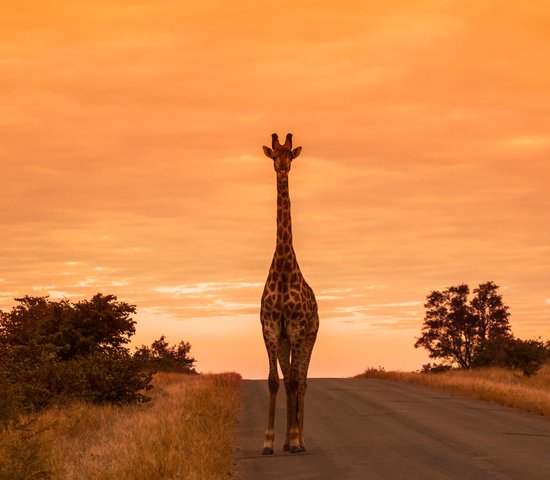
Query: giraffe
{"points": [[288, 313]]}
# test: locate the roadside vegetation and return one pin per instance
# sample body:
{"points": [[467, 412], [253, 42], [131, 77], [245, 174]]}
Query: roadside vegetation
{"points": [[186, 431], [54, 352], [75, 403], [477, 354], [474, 333]]}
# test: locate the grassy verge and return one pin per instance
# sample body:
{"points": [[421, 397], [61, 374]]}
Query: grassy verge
{"points": [[185, 432], [494, 384]]}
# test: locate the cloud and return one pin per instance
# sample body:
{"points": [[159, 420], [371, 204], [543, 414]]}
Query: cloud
{"points": [[401, 304], [86, 283], [206, 287], [59, 294], [336, 290], [44, 287]]}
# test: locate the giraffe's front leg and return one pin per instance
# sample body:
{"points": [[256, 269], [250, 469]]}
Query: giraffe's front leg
{"points": [[301, 397], [273, 382], [270, 430]]}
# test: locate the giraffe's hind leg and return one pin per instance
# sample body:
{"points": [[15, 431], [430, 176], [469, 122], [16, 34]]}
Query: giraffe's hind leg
{"points": [[283, 353], [299, 359]]}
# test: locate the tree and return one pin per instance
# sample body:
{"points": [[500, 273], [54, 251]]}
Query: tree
{"points": [[160, 356], [491, 315], [455, 329]]}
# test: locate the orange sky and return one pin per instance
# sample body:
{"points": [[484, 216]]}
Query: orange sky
{"points": [[131, 163]]}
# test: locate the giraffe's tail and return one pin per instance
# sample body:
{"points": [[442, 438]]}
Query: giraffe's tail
{"points": [[283, 354]]}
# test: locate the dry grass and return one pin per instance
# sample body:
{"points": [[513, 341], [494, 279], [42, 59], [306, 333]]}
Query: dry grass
{"points": [[185, 432], [494, 384]]}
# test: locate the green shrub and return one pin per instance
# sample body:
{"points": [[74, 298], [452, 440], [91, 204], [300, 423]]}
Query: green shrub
{"points": [[53, 351], [526, 356], [113, 377], [162, 357]]}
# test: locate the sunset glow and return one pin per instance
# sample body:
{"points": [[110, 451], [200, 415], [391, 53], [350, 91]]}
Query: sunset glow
{"points": [[131, 163]]}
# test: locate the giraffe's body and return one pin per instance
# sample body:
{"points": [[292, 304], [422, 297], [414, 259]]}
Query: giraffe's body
{"points": [[288, 312]]}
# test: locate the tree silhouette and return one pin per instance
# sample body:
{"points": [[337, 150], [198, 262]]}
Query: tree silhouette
{"points": [[454, 329], [491, 315], [162, 357]]}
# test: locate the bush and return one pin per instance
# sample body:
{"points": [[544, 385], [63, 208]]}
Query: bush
{"points": [[53, 351], [11, 397], [435, 368], [30, 370], [114, 377], [37, 382], [161, 357], [527, 356]]}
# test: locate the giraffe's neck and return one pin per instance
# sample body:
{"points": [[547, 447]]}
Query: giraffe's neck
{"points": [[284, 250]]}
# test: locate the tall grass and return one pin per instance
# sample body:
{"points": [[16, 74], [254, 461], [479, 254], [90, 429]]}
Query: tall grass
{"points": [[494, 384], [185, 432]]}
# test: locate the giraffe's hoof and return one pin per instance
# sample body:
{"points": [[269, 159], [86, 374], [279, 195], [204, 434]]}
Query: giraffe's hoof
{"points": [[267, 451], [303, 448], [286, 447], [295, 449]]}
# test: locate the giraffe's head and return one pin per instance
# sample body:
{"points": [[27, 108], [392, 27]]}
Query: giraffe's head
{"points": [[282, 155]]}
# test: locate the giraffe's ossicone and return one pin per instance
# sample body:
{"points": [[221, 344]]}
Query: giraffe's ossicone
{"points": [[288, 312]]}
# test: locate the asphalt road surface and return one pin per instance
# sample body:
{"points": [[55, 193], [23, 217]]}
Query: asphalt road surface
{"points": [[378, 429]]}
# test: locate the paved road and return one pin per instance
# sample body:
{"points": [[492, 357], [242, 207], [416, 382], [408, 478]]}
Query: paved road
{"points": [[378, 429]]}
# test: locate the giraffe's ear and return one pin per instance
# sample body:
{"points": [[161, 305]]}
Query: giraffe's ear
{"points": [[296, 152], [268, 152]]}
